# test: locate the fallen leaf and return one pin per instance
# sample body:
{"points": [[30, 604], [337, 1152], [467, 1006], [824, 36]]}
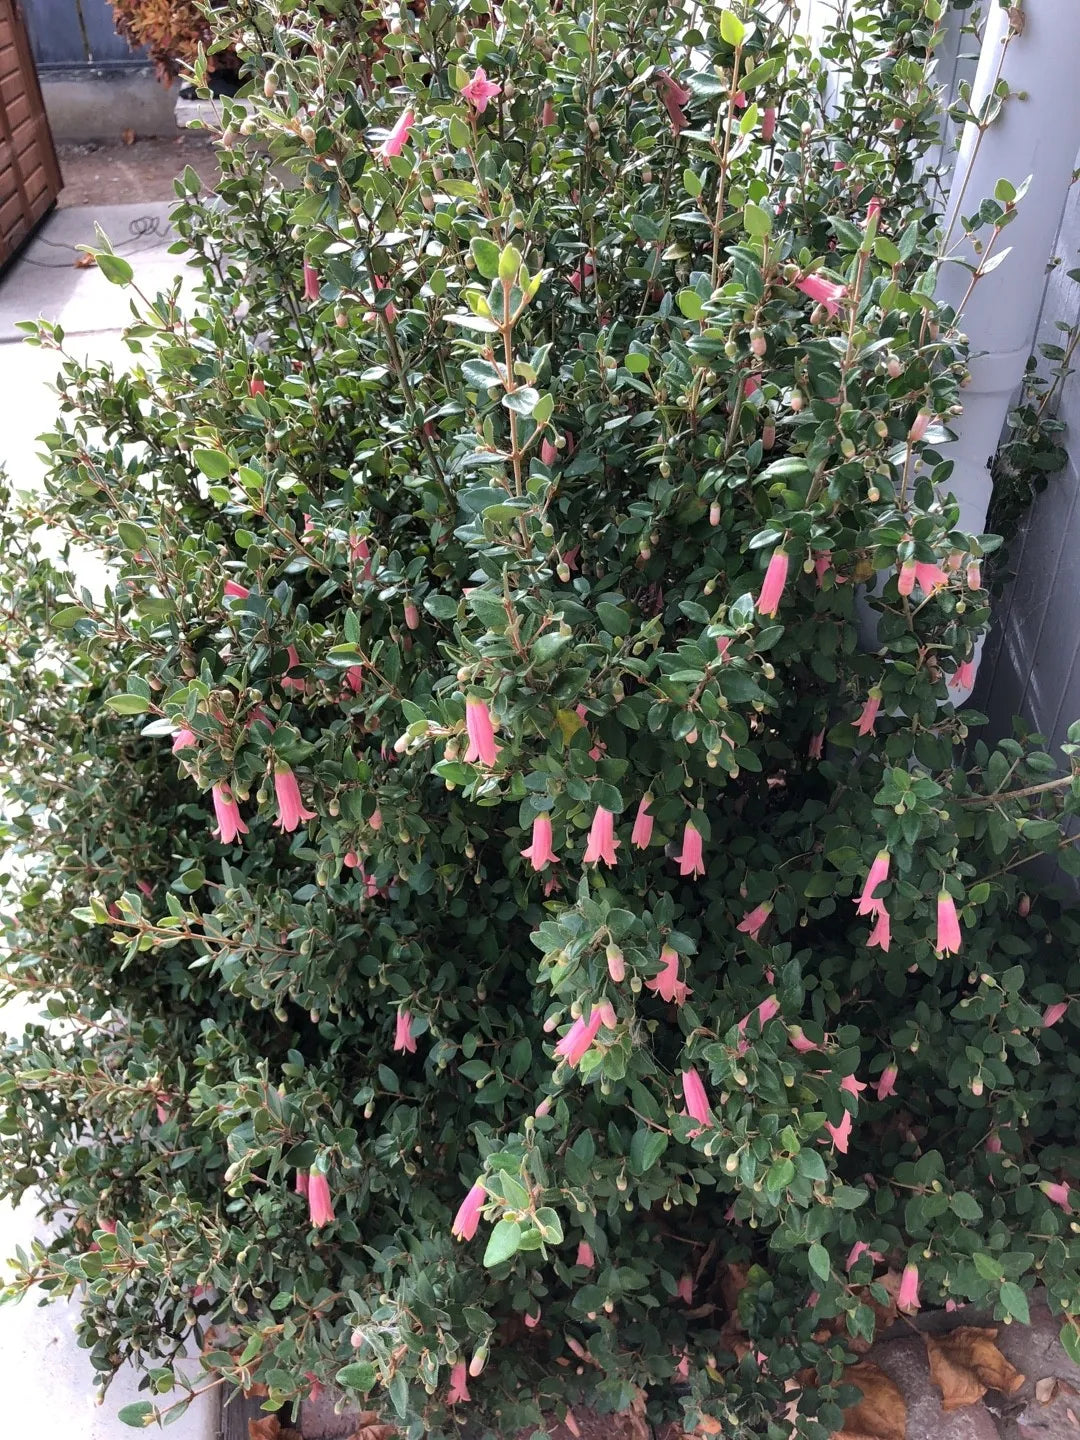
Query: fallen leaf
{"points": [[1072, 1418], [965, 1363], [733, 1281], [570, 1423], [1050, 1387], [266, 1427], [640, 1428], [128, 136], [369, 1427], [709, 1426], [881, 1413]]}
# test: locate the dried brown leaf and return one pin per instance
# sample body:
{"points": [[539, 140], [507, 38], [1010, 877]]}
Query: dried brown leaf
{"points": [[965, 1363], [640, 1428], [570, 1422], [128, 136], [83, 262], [733, 1280], [881, 1413], [1072, 1418], [369, 1427], [1046, 1389], [266, 1427]]}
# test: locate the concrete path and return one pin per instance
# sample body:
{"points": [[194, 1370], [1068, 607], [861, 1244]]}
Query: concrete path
{"points": [[46, 1380]]}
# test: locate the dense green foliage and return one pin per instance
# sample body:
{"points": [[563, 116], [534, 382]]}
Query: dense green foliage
{"points": [[535, 429]]}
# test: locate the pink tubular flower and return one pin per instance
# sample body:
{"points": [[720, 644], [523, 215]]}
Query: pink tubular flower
{"points": [[906, 582], [540, 853], [826, 292], [873, 210], [235, 591], [964, 677], [918, 426], [641, 834], [861, 1248], [311, 282], [395, 141], [930, 577], [822, 565], [403, 1036], [320, 1205], [548, 452], [691, 861], [292, 682], [290, 806], [458, 1392], [301, 1182], [1053, 1013], [867, 902], [667, 984], [229, 823], [480, 90], [992, 1143], [768, 124], [697, 1102], [481, 733], [578, 1038], [948, 925], [752, 924], [881, 934], [769, 1007], [772, 587], [1058, 1193], [256, 386], [585, 1257], [468, 1216], [674, 97], [908, 1296], [868, 716], [183, 740], [723, 645], [547, 115], [886, 1084], [798, 1041], [974, 575], [853, 1085], [583, 270], [602, 842], [840, 1133], [531, 1321], [817, 745]]}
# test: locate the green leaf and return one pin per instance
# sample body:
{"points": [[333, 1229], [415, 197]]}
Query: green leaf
{"points": [[133, 536], [503, 1243], [486, 254], [1070, 1341], [360, 1375], [692, 183], [522, 401], [128, 704], [118, 272], [214, 464], [1015, 1302], [461, 139], [987, 1266], [509, 263], [691, 304], [139, 1415], [636, 363], [820, 1263], [966, 1207], [550, 1226], [757, 221], [614, 620], [481, 373], [645, 1150], [732, 28]]}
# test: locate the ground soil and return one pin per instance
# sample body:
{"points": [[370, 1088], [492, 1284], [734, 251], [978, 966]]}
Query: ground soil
{"points": [[144, 169]]}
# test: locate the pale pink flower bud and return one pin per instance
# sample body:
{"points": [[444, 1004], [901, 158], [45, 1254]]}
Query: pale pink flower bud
{"points": [[183, 740], [641, 835], [302, 1182], [602, 842], [906, 583], [403, 1036], [817, 745], [236, 591], [919, 426], [311, 282], [992, 1143], [616, 964], [768, 124], [691, 861], [468, 1216], [547, 115], [256, 386], [974, 575], [768, 1008], [798, 1041], [482, 746], [772, 587], [685, 1289], [886, 1084], [229, 823], [585, 1257], [715, 513], [607, 1014], [540, 852], [948, 925], [290, 806], [1053, 1013]]}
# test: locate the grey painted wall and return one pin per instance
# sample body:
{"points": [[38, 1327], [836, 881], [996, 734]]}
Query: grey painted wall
{"points": [[65, 33]]}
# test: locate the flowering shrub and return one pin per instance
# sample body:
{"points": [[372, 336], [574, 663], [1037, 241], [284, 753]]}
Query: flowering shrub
{"points": [[512, 943]]}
